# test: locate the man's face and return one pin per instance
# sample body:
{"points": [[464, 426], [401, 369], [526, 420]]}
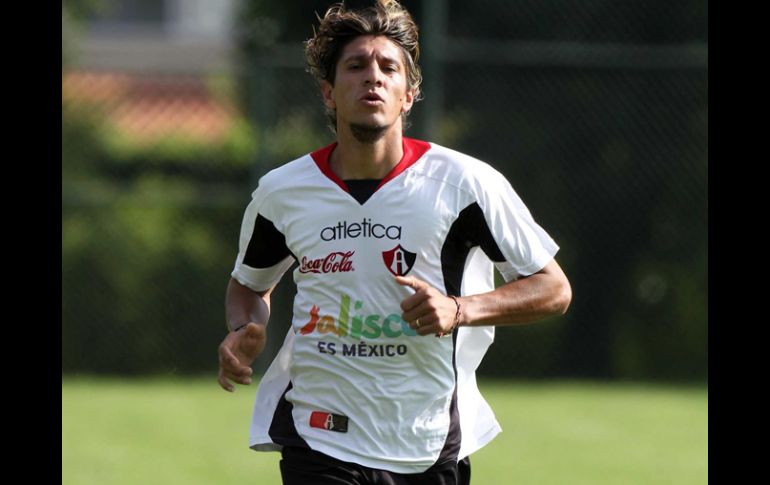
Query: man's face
{"points": [[370, 87]]}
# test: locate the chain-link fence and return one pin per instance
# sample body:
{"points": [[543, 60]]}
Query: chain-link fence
{"points": [[597, 113]]}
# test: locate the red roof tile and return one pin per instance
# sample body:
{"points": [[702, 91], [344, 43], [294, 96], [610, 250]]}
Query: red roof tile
{"points": [[147, 108]]}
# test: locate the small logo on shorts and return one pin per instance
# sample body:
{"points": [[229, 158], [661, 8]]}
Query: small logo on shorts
{"points": [[329, 421], [398, 260]]}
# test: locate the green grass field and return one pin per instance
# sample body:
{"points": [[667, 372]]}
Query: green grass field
{"points": [[191, 432]]}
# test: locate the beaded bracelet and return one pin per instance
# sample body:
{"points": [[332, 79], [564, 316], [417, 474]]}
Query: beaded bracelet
{"points": [[457, 318]]}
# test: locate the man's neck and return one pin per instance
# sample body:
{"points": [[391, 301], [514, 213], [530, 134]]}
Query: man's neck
{"points": [[353, 159]]}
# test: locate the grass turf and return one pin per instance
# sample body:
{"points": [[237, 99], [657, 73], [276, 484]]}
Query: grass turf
{"points": [[189, 431]]}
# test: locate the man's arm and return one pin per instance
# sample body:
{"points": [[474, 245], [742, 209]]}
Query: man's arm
{"points": [[525, 300], [244, 305], [248, 312]]}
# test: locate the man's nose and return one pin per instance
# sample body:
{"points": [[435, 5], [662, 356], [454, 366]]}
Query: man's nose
{"points": [[373, 74]]}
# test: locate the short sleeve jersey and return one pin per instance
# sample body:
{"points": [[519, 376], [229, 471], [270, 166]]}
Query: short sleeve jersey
{"points": [[352, 379]]}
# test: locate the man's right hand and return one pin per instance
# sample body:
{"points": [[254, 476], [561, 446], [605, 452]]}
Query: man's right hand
{"points": [[237, 352]]}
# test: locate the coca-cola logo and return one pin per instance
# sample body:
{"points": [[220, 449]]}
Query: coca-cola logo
{"points": [[337, 262]]}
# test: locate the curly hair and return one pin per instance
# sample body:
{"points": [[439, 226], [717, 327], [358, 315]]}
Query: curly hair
{"points": [[340, 25]]}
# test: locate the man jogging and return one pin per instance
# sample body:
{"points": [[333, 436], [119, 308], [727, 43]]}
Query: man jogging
{"points": [[394, 242]]}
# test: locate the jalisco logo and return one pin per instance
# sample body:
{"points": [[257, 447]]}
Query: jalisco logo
{"points": [[365, 228], [337, 262], [356, 325]]}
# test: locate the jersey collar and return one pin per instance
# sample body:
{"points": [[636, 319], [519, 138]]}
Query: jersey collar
{"points": [[413, 151]]}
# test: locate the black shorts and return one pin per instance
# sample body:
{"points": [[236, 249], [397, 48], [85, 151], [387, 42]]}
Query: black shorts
{"points": [[303, 466]]}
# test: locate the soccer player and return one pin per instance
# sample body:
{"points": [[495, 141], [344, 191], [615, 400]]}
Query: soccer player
{"points": [[395, 241]]}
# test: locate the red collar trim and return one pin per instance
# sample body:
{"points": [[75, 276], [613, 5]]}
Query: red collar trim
{"points": [[413, 151], [321, 158]]}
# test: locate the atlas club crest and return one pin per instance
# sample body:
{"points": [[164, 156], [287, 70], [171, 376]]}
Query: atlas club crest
{"points": [[398, 260]]}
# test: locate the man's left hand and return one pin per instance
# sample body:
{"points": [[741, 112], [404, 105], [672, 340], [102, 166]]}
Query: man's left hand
{"points": [[427, 311]]}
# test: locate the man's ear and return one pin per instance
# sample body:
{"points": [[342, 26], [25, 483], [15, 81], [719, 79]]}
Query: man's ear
{"points": [[408, 101], [327, 93]]}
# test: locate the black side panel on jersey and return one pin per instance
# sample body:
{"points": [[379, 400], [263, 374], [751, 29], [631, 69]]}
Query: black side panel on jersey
{"points": [[470, 229], [267, 246], [282, 430], [454, 437]]}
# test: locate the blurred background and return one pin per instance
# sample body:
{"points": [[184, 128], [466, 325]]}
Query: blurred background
{"points": [[596, 111]]}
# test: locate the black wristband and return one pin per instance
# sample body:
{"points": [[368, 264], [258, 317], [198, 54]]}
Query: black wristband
{"points": [[238, 328]]}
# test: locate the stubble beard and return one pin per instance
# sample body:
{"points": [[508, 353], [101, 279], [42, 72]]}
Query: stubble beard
{"points": [[368, 133]]}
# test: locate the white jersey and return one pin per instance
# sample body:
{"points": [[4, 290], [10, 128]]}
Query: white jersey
{"points": [[352, 379]]}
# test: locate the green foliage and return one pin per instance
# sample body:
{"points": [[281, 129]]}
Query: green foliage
{"points": [[293, 135], [235, 151], [82, 139], [148, 236], [668, 319], [138, 271], [82, 9]]}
